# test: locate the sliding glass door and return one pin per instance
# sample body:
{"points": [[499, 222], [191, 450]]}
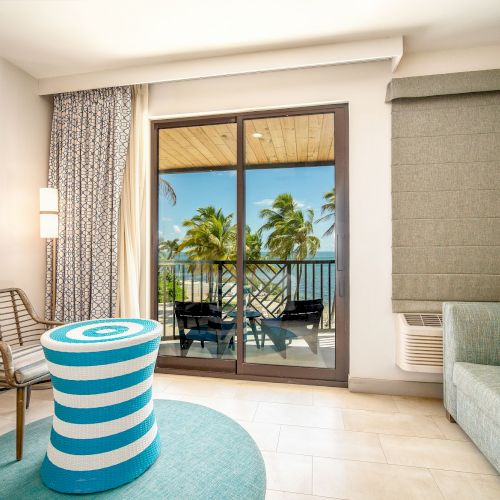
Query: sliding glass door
{"points": [[289, 241], [250, 247], [196, 246]]}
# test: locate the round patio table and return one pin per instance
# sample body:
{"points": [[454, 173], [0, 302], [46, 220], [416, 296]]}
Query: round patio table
{"points": [[104, 431], [251, 315]]}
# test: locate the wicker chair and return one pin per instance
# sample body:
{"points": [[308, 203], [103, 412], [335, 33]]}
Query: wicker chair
{"points": [[22, 363]]}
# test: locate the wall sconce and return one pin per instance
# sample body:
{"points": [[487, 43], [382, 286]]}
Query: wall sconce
{"points": [[49, 213], [49, 229]]}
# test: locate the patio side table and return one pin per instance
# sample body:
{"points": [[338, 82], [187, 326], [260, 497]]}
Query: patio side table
{"points": [[104, 431], [251, 315]]}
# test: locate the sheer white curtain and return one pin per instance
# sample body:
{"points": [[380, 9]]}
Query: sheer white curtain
{"points": [[132, 259]]}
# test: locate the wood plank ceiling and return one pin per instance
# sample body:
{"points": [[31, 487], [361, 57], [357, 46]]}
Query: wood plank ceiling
{"points": [[286, 140]]}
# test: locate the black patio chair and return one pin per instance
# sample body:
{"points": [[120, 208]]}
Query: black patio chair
{"points": [[300, 318], [202, 322]]}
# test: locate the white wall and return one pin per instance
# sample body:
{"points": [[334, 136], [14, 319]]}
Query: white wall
{"points": [[24, 139], [236, 64], [363, 86], [449, 61], [24, 143]]}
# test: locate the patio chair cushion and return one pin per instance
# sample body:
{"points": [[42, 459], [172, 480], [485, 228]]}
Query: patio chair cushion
{"points": [[205, 335], [29, 364], [210, 334]]}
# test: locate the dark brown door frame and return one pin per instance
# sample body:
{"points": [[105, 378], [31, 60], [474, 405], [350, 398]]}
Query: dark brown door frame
{"points": [[240, 368]]}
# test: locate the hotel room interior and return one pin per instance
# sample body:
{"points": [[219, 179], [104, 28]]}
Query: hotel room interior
{"points": [[250, 250]]}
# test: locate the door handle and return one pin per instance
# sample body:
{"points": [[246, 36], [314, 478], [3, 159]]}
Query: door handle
{"points": [[339, 254]]}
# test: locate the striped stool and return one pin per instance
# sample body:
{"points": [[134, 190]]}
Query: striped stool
{"points": [[104, 431]]}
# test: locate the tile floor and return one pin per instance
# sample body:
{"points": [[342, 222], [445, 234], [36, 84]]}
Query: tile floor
{"points": [[320, 442]]}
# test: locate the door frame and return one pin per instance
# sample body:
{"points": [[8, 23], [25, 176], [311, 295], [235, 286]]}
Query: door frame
{"points": [[239, 368]]}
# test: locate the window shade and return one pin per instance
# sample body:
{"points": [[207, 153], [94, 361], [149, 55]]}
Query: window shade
{"points": [[445, 195]]}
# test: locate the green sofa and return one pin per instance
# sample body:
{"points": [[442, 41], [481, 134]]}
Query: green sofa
{"points": [[471, 344]]}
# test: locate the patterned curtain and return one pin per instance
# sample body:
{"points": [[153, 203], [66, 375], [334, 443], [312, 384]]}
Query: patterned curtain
{"points": [[88, 150]]}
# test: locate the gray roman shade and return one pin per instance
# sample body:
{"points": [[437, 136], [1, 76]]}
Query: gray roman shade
{"points": [[445, 189]]}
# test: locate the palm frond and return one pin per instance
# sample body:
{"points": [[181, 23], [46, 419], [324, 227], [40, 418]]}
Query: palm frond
{"points": [[167, 190]]}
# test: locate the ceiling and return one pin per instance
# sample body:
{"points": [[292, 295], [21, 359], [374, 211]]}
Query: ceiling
{"points": [[50, 38], [285, 140], [193, 147]]}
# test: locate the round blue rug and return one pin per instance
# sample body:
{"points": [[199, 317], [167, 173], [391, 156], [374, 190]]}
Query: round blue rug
{"points": [[204, 455]]}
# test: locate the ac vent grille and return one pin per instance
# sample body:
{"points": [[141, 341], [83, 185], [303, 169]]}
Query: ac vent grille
{"points": [[420, 342], [416, 319]]}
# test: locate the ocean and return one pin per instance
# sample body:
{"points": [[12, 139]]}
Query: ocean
{"points": [[314, 280]]}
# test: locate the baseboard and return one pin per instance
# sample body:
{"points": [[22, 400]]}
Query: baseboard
{"points": [[396, 387]]}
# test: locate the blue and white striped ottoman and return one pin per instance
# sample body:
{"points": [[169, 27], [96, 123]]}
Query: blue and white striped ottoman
{"points": [[104, 431]]}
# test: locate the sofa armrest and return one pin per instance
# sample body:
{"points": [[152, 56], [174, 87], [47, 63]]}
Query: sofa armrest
{"points": [[471, 333]]}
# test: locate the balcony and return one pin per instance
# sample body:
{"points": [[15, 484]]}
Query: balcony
{"points": [[271, 288]]}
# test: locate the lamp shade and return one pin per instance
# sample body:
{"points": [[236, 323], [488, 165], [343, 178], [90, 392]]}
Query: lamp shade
{"points": [[49, 226], [49, 219], [49, 200]]}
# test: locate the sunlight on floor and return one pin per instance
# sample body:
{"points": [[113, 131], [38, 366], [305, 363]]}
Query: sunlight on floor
{"points": [[322, 442]]}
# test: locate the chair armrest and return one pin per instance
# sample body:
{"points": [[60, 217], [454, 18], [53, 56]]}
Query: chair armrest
{"points": [[50, 322], [8, 364]]}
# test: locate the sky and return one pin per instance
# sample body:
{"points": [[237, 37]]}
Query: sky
{"points": [[198, 189]]}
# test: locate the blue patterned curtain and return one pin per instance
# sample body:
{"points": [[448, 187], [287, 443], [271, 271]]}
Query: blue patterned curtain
{"points": [[88, 150]]}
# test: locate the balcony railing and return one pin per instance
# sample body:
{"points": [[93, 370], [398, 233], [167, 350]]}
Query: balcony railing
{"points": [[269, 284]]}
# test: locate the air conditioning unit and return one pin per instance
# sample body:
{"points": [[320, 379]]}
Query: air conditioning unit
{"points": [[420, 342]]}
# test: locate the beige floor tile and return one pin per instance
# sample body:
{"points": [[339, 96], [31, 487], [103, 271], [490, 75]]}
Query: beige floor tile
{"points": [[202, 386], [449, 430], [161, 382], [233, 408], [291, 473], [343, 398], [275, 393], [7, 424], [331, 443], [7, 411], [265, 435], [390, 423], [286, 495], [38, 410], [419, 406], [41, 406], [293, 423], [303, 415], [464, 486], [435, 454], [368, 481]]}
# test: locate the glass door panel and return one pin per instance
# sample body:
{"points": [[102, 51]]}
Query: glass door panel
{"points": [[289, 286], [250, 244], [197, 241]]}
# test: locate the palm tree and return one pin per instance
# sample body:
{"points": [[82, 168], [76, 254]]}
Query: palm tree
{"points": [[328, 211], [170, 247], [291, 229], [253, 244], [167, 190], [210, 235]]}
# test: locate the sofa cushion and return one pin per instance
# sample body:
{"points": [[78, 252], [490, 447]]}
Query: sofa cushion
{"points": [[481, 383]]}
